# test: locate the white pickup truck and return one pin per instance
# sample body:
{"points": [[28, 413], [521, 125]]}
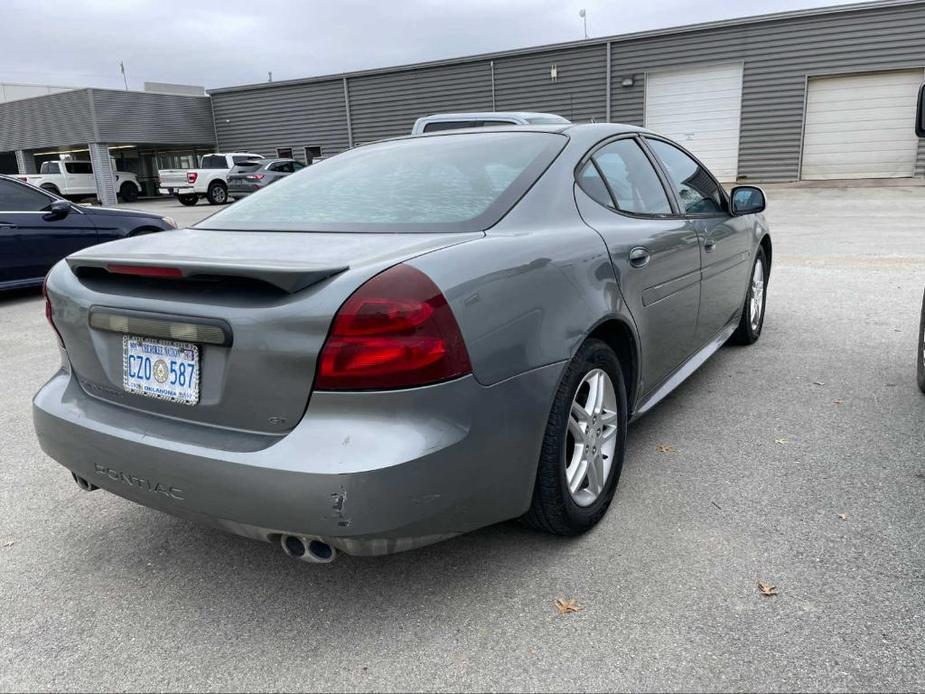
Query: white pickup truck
{"points": [[74, 179], [209, 180]]}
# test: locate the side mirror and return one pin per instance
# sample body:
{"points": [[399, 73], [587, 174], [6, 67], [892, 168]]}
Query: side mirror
{"points": [[920, 113], [747, 200], [59, 209]]}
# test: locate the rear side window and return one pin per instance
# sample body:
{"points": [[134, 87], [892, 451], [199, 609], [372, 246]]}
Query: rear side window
{"points": [[444, 183], [591, 182], [17, 198], [78, 167], [214, 161], [50, 167], [696, 189], [632, 180]]}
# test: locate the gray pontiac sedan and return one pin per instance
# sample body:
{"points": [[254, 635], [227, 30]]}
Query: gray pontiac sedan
{"points": [[408, 341]]}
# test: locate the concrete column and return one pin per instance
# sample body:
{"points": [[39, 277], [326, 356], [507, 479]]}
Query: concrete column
{"points": [[25, 162], [103, 174]]}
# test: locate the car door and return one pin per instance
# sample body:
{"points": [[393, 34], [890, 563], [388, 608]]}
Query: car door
{"points": [[32, 239], [725, 243], [80, 178], [655, 252]]}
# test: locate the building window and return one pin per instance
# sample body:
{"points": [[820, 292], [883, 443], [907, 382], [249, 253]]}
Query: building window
{"points": [[284, 152], [312, 152]]}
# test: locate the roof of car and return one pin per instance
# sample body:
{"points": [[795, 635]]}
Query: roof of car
{"points": [[604, 129], [489, 115]]}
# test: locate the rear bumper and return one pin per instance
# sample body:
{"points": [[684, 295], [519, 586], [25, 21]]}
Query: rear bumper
{"points": [[176, 190], [369, 473]]}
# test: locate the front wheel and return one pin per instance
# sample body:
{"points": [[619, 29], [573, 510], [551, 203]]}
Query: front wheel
{"points": [[218, 194], [582, 453], [128, 192], [920, 350], [188, 200], [752, 318]]}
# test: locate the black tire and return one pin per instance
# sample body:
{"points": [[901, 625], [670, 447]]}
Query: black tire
{"points": [[51, 188], [553, 509], [218, 193], [128, 192], [188, 200], [746, 333], [920, 350]]}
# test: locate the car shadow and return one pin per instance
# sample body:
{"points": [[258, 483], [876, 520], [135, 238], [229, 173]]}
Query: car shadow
{"points": [[13, 297]]}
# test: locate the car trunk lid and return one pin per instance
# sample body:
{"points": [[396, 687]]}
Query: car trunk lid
{"points": [[257, 306]]}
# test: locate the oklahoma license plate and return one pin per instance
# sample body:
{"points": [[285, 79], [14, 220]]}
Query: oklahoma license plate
{"points": [[161, 369]]}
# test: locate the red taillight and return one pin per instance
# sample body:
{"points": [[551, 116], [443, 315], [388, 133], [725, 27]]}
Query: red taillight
{"points": [[395, 331], [146, 270], [50, 312], [255, 177], [191, 176]]}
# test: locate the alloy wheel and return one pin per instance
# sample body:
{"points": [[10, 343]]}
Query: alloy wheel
{"points": [[757, 301], [591, 438]]}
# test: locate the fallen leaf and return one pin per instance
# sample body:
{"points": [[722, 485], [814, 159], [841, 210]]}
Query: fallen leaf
{"points": [[767, 589], [838, 402], [780, 441], [843, 516], [567, 605], [664, 448], [818, 383]]}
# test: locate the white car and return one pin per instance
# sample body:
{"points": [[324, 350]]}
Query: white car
{"points": [[74, 179], [210, 180], [481, 119]]}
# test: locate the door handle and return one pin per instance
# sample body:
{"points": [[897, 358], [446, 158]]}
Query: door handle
{"points": [[709, 245], [640, 257]]}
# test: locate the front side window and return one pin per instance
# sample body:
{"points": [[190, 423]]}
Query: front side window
{"points": [[696, 189], [78, 167], [636, 187], [18, 198], [444, 183]]}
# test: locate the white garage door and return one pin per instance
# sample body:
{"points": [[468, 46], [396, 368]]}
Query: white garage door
{"points": [[861, 126], [700, 108]]}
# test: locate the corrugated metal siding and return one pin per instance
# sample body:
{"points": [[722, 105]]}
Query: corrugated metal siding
{"points": [[778, 56], [46, 121], [261, 120], [138, 117], [523, 83], [386, 105]]}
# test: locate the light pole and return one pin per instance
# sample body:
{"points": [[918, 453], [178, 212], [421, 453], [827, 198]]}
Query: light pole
{"points": [[584, 16]]}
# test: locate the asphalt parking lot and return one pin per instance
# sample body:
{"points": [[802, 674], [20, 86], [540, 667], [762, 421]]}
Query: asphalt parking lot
{"points": [[799, 462]]}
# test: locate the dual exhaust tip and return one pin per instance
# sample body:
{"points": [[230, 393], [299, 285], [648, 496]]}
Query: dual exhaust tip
{"points": [[306, 549]]}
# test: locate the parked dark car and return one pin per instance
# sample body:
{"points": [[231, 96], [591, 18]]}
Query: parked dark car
{"points": [[248, 178], [39, 228]]}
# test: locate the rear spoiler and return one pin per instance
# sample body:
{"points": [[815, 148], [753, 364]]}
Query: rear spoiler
{"points": [[289, 277]]}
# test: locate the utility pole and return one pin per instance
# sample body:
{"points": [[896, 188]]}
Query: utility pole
{"points": [[122, 68], [584, 16], [270, 76]]}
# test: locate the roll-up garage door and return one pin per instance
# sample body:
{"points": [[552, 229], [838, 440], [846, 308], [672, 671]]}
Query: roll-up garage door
{"points": [[701, 109], [861, 126]]}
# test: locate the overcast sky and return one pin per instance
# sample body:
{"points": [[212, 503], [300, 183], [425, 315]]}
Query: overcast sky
{"points": [[217, 43]]}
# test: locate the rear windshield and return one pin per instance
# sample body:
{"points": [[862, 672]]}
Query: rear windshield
{"points": [[453, 182], [248, 167]]}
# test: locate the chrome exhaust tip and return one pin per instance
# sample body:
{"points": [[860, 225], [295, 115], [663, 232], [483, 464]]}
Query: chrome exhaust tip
{"points": [[308, 549], [84, 484]]}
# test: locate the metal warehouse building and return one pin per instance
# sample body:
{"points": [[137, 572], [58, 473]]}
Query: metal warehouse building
{"points": [[820, 94], [817, 94]]}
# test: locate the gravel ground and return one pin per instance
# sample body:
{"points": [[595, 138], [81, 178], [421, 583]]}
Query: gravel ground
{"points": [[799, 462]]}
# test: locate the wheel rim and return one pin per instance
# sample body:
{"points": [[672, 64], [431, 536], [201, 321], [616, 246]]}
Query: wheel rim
{"points": [[757, 300], [591, 438], [219, 194]]}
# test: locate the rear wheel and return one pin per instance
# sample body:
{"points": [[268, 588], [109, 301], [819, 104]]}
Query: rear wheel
{"points": [[218, 193], [188, 200], [920, 350], [752, 318], [582, 453], [128, 192]]}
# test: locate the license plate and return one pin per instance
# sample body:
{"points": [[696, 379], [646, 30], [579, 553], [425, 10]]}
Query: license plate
{"points": [[170, 190], [161, 369]]}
